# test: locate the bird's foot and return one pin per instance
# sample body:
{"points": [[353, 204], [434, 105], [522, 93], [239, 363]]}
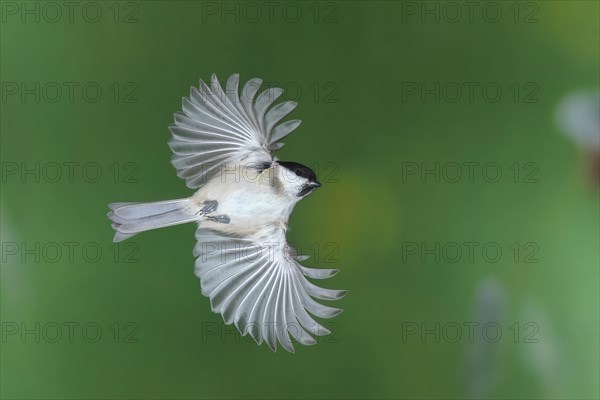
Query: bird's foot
{"points": [[209, 206], [221, 219]]}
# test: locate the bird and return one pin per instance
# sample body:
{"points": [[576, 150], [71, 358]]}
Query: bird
{"points": [[223, 143]]}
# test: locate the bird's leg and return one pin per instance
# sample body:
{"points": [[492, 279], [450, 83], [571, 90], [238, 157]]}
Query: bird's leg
{"points": [[209, 207]]}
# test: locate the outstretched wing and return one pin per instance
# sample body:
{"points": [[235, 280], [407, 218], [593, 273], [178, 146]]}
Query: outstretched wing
{"points": [[218, 128], [262, 289]]}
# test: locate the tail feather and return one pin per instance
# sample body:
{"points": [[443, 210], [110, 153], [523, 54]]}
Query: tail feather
{"points": [[132, 218]]}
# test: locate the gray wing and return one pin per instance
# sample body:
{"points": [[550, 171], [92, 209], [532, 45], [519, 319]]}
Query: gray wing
{"points": [[219, 127], [262, 289]]}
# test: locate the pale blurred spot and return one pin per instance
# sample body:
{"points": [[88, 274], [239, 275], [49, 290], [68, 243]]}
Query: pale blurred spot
{"points": [[484, 366], [541, 353], [13, 284], [578, 114]]}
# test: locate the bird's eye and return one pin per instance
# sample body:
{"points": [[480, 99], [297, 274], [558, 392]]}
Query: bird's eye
{"points": [[297, 173]]}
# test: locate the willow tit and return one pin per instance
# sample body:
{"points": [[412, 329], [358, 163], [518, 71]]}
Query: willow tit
{"points": [[223, 144]]}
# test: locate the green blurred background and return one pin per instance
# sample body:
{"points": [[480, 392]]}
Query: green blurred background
{"points": [[349, 65]]}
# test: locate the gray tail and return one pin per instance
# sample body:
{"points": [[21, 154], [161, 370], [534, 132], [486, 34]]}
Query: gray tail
{"points": [[132, 218]]}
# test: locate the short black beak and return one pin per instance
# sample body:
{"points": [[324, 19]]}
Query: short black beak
{"points": [[308, 187]]}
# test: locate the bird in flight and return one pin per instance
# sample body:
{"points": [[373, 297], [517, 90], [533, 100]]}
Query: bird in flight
{"points": [[223, 143]]}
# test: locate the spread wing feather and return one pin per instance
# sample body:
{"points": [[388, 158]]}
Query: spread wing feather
{"points": [[217, 128], [261, 287]]}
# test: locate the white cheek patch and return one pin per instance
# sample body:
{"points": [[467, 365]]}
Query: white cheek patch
{"points": [[289, 177]]}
